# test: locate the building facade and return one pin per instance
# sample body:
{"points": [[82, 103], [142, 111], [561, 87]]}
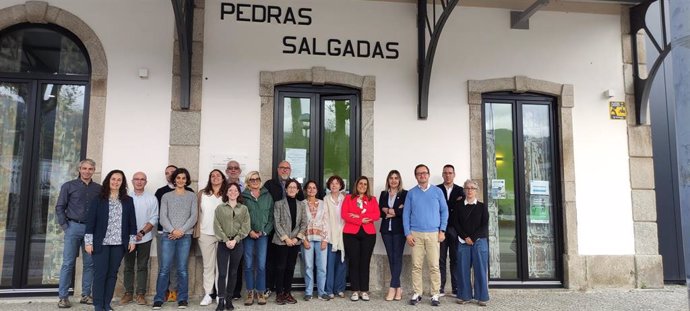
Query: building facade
{"points": [[332, 86]]}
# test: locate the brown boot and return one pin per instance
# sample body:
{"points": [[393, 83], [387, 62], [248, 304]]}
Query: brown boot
{"points": [[126, 298], [141, 300], [280, 298], [289, 299], [261, 298], [250, 298]]}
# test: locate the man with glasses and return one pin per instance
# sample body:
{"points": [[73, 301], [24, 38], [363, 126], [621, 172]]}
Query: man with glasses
{"points": [[146, 210], [233, 171], [425, 217], [72, 205], [276, 187], [452, 193]]}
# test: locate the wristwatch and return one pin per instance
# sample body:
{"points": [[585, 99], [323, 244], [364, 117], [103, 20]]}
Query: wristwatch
{"points": [[142, 232]]}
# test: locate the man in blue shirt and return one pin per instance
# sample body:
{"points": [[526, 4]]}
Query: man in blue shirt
{"points": [[425, 217], [72, 206]]}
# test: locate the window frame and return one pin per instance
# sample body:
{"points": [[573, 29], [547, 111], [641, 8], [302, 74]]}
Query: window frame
{"points": [[318, 94]]}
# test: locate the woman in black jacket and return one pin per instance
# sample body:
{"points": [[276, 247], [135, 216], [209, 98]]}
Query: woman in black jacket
{"points": [[472, 225], [111, 228], [391, 206]]}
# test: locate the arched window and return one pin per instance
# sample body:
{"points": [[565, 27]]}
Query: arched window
{"points": [[44, 86]]}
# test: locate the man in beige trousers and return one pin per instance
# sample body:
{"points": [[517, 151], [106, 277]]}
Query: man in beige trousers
{"points": [[425, 217]]}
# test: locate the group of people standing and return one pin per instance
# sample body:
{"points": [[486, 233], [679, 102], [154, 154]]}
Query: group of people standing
{"points": [[257, 231]]}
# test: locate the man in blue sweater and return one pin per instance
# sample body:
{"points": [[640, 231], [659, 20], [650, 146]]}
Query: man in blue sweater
{"points": [[425, 217]]}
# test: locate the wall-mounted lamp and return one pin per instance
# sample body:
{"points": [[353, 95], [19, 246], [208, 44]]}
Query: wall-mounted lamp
{"points": [[499, 159], [610, 93], [143, 73]]}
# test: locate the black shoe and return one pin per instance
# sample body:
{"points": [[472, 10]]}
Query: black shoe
{"points": [[221, 305], [182, 304], [228, 305], [157, 305]]}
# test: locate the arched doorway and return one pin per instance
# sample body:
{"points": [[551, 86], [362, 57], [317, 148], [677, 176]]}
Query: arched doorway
{"points": [[44, 94]]}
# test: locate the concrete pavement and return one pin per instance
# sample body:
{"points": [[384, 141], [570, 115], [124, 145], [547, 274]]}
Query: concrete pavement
{"points": [[670, 298]]}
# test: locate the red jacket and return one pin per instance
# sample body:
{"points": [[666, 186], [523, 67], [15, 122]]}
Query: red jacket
{"points": [[370, 209]]}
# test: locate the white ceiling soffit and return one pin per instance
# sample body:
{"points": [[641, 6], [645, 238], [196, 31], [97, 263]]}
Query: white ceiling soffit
{"points": [[581, 6]]}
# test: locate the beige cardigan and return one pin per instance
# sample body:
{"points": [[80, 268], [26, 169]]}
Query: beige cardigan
{"points": [[335, 224]]}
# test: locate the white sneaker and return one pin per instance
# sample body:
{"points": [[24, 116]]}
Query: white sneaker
{"points": [[206, 301]]}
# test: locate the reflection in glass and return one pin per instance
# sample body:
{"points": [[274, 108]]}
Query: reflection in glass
{"points": [[541, 253], [296, 132], [336, 140], [13, 116], [40, 50], [61, 118], [501, 191]]}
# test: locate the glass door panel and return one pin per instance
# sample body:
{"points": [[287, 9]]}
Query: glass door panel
{"points": [[60, 119], [14, 98], [297, 125], [538, 187], [336, 139], [499, 130]]}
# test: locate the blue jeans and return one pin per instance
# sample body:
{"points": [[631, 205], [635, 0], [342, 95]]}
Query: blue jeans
{"points": [[255, 263], [107, 262], [473, 257], [336, 270], [173, 271], [321, 264], [395, 245], [179, 251], [74, 238]]}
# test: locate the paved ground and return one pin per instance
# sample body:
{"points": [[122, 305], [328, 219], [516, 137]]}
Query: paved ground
{"points": [[668, 299]]}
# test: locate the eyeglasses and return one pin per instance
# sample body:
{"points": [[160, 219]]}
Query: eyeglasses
{"points": [[422, 173], [472, 188], [254, 179], [232, 168], [138, 179], [283, 167]]}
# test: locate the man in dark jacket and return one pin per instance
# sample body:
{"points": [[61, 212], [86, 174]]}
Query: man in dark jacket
{"points": [[452, 193]]}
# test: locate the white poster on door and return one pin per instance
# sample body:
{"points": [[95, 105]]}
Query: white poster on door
{"points": [[539, 187], [298, 162]]}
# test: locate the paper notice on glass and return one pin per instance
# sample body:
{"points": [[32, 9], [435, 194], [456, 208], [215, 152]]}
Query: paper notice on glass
{"points": [[498, 189], [539, 208], [539, 187], [298, 162]]}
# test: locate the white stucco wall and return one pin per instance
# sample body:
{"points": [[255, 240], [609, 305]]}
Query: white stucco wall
{"points": [[134, 35], [579, 49]]}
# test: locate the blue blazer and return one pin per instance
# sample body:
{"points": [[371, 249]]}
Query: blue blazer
{"points": [[396, 222], [97, 221]]}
